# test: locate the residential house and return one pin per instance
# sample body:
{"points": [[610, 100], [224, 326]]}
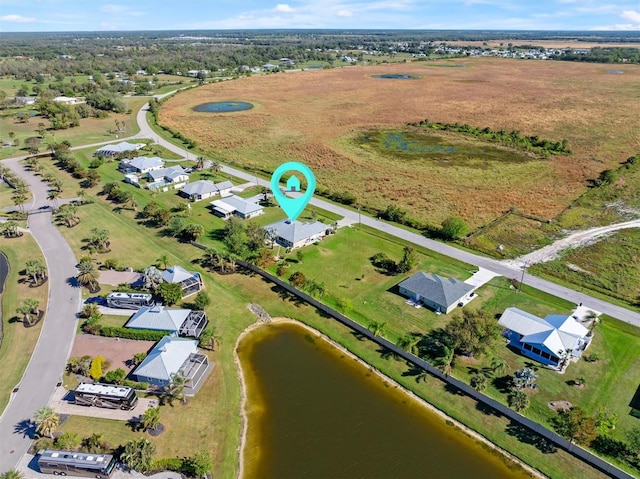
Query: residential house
{"points": [[173, 356], [172, 177], [191, 282], [554, 340], [24, 100], [113, 150], [436, 292], [234, 205], [66, 100], [141, 164], [203, 189], [295, 234], [177, 321]]}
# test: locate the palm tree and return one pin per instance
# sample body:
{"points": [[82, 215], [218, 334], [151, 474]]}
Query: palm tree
{"points": [[19, 199], [28, 308], [199, 163], [378, 328], [54, 195], [82, 194], [151, 418], [498, 365], [409, 342], [87, 274], [46, 420], [209, 339], [175, 389], [11, 228], [163, 260], [36, 269], [94, 443], [12, 474], [91, 310], [445, 361], [138, 454], [215, 167]]}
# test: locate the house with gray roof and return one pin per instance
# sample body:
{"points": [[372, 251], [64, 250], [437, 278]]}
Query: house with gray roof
{"points": [[434, 291], [167, 178], [176, 321], [553, 341], [173, 356], [113, 150], [191, 282], [234, 205], [203, 189], [141, 164], [296, 234]]}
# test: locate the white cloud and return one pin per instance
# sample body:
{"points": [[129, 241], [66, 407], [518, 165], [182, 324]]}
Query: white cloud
{"points": [[119, 10], [284, 8], [632, 16], [16, 19], [108, 26], [344, 13]]}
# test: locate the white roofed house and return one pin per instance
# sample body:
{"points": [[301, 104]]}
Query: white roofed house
{"points": [[191, 282], [436, 292], [114, 150], [203, 189], [172, 177], [553, 340], [234, 205], [173, 356], [176, 321], [141, 164], [295, 234]]}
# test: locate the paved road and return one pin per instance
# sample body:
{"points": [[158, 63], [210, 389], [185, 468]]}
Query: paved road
{"points": [[499, 267], [58, 330]]}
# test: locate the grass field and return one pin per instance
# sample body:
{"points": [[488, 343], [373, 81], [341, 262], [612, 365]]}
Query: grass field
{"points": [[317, 116], [18, 342]]}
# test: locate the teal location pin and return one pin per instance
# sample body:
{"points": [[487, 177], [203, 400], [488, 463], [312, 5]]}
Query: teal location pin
{"points": [[293, 206]]}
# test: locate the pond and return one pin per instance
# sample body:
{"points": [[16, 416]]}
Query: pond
{"points": [[615, 72], [316, 412], [396, 76], [223, 106]]}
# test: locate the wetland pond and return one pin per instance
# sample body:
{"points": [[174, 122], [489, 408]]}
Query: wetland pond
{"points": [[223, 106], [315, 412]]}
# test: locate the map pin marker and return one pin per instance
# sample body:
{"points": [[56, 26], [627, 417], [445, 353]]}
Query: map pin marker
{"points": [[293, 206]]}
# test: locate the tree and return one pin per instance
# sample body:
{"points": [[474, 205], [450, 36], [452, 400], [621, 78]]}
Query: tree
{"points": [[163, 260], [151, 418], [170, 293], [116, 376], [138, 454], [138, 358], [175, 389], [33, 145], [235, 236], [46, 420], [478, 382], [474, 332], [99, 239], [87, 274], [92, 178], [28, 309], [11, 228], [202, 300], [409, 342], [518, 400], [408, 261], [454, 227], [193, 231], [200, 464], [298, 279], [498, 365], [19, 199], [446, 359], [209, 339], [90, 310], [12, 474], [633, 436], [41, 130], [256, 236], [69, 214], [67, 441], [574, 425], [36, 269], [378, 327], [95, 443], [53, 195], [525, 378]]}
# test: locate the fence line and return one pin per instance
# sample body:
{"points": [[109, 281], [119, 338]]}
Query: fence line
{"points": [[539, 429]]}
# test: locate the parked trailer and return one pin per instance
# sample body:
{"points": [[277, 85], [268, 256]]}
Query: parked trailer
{"points": [[129, 300], [105, 395], [62, 463]]}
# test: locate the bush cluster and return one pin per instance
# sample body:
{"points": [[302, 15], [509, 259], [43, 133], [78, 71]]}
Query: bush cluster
{"points": [[126, 333]]}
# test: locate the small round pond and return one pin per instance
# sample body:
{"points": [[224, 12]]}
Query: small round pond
{"points": [[223, 106], [615, 72], [396, 76]]}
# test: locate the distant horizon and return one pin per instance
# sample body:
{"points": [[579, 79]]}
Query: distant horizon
{"points": [[71, 16]]}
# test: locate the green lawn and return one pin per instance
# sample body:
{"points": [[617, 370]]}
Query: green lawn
{"points": [[18, 342]]}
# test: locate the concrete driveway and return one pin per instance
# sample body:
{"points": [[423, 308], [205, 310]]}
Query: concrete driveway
{"points": [[62, 403]]}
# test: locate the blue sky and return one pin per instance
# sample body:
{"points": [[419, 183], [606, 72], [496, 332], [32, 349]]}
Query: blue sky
{"points": [[76, 15]]}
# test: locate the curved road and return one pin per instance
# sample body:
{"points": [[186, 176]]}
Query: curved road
{"points": [[499, 267], [54, 344]]}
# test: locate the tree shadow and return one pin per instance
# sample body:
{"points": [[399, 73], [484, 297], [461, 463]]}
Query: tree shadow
{"points": [[487, 410], [73, 282], [451, 389], [358, 335], [386, 353], [503, 383], [527, 436], [26, 427]]}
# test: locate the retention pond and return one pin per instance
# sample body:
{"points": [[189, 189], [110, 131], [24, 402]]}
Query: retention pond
{"points": [[316, 412]]}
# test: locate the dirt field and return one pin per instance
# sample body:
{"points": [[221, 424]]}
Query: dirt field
{"points": [[315, 116], [115, 350]]}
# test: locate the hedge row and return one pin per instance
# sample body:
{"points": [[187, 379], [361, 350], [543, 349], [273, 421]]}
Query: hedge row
{"points": [[139, 334]]}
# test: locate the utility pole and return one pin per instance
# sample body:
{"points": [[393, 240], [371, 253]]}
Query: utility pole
{"points": [[524, 270], [359, 218]]}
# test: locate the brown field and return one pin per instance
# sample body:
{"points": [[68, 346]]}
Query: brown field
{"points": [[313, 116]]}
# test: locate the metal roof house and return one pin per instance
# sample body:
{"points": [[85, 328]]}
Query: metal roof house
{"points": [[434, 291], [295, 234], [234, 205], [173, 356], [552, 340], [141, 164], [113, 150], [165, 178], [191, 282], [203, 189], [178, 321]]}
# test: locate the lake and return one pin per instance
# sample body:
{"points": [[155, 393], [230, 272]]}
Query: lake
{"points": [[316, 412]]}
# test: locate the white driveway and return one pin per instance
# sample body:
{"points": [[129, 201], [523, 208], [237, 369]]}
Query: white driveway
{"points": [[481, 277]]}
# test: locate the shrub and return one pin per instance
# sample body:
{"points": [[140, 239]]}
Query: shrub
{"points": [[298, 279], [174, 464], [95, 371], [139, 334], [67, 441], [116, 376], [140, 385]]}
